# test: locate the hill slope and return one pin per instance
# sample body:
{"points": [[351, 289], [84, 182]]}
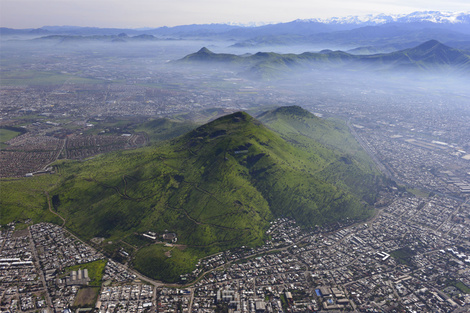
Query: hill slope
{"points": [[350, 167], [216, 187], [219, 183]]}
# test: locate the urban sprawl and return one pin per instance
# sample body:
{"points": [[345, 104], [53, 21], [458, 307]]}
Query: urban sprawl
{"points": [[413, 256]]}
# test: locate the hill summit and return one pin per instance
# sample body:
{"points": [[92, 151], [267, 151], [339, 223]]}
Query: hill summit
{"points": [[205, 55], [204, 50], [435, 53]]}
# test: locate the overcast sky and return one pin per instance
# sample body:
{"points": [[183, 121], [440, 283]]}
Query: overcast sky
{"points": [[156, 13]]}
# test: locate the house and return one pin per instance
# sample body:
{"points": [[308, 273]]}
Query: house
{"points": [[170, 237]]}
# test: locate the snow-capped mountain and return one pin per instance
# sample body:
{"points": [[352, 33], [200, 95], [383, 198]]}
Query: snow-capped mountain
{"points": [[441, 17], [250, 24], [383, 30]]}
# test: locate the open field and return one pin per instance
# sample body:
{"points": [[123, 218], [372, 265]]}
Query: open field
{"points": [[6, 134], [25, 198], [15, 78], [86, 297], [166, 263]]}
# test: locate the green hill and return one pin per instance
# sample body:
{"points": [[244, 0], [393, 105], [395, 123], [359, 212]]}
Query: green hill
{"points": [[216, 187], [205, 55], [348, 167], [428, 56], [218, 184]]}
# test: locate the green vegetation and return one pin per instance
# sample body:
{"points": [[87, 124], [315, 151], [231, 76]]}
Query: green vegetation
{"points": [[164, 129], [156, 130], [25, 198], [43, 78], [346, 164], [166, 263], [403, 255], [419, 193], [6, 134], [137, 240], [217, 187], [430, 55], [459, 285], [285, 305], [95, 271], [205, 54], [114, 250]]}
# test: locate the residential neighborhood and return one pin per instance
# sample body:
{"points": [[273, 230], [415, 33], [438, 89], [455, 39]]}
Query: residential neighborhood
{"points": [[413, 256]]}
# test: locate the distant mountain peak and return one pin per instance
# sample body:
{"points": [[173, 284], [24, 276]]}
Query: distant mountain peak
{"points": [[205, 55], [436, 17], [433, 53], [431, 44], [204, 50], [439, 17]]}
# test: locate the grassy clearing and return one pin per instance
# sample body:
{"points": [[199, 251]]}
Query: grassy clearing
{"points": [[166, 263], [418, 192], [6, 134], [403, 255], [460, 286], [25, 198], [138, 240], [26, 119]]}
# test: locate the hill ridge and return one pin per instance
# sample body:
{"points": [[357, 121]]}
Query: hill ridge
{"points": [[430, 55]]}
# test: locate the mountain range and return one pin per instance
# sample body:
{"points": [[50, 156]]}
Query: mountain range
{"points": [[353, 31], [420, 16], [429, 56]]}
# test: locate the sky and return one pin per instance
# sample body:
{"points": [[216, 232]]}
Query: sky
{"points": [[157, 13]]}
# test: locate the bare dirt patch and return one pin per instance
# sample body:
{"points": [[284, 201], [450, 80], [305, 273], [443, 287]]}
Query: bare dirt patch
{"points": [[86, 297]]}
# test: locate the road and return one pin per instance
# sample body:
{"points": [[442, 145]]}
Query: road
{"points": [[379, 165], [38, 267]]}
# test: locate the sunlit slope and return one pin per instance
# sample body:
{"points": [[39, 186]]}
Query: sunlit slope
{"points": [[347, 165], [26, 198], [217, 186], [164, 129]]}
